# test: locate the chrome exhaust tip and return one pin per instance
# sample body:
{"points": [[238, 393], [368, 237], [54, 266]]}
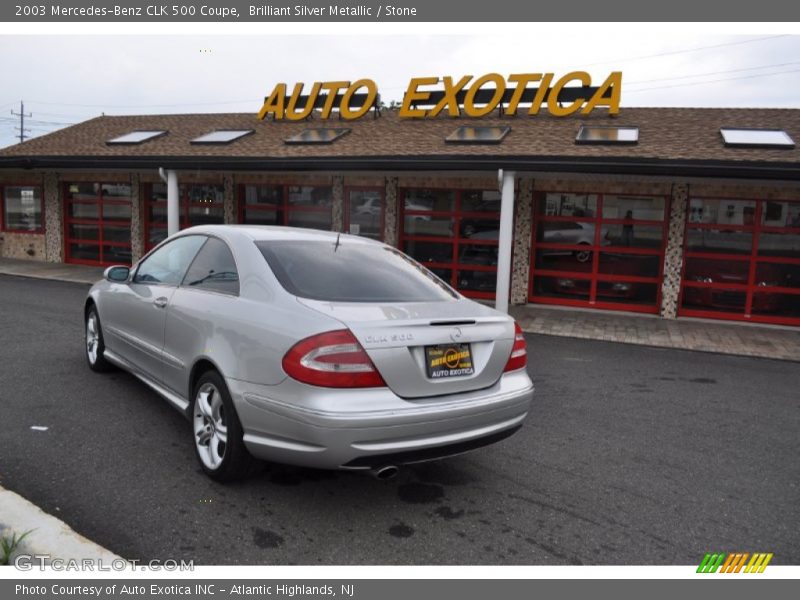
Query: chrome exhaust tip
{"points": [[385, 472]]}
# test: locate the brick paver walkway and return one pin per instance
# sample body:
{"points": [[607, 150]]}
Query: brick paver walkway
{"points": [[743, 339]]}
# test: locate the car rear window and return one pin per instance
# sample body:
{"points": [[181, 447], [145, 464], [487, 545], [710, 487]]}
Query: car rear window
{"points": [[351, 272]]}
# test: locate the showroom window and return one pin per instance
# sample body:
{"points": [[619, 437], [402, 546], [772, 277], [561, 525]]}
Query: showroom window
{"points": [[293, 205], [97, 223], [455, 234], [598, 250], [22, 209], [364, 211], [742, 260], [199, 204]]}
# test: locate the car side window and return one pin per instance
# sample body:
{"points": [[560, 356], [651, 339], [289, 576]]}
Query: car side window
{"points": [[213, 269], [168, 264]]}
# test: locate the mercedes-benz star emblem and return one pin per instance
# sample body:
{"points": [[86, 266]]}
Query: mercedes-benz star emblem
{"points": [[455, 334]]}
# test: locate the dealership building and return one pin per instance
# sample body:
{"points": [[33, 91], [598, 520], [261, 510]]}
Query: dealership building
{"points": [[682, 212]]}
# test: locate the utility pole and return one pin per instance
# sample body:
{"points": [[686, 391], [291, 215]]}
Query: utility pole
{"points": [[21, 114]]}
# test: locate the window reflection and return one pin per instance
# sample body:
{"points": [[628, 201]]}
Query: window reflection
{"points": [[455, 228], [366, 213], [781, 214], [598, 248], [97, 220], [568, 205], [22, 208], [748, 282], [721, 212]]}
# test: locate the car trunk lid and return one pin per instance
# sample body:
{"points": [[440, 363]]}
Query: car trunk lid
{"points": [[396, 335]]}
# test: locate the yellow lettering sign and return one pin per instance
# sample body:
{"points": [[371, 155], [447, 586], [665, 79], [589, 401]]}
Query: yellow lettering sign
{"points": [[291, 111], [280, 107], [554, 106], [614, 83], [477, 98], [413, 95], [372, 94], [499, 90]]}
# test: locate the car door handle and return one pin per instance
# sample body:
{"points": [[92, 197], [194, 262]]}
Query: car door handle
{"points": [[160, 302]]}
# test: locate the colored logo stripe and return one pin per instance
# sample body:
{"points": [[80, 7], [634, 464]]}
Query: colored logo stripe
{"points": [[733, 562], [710, 563], [759, 562]]}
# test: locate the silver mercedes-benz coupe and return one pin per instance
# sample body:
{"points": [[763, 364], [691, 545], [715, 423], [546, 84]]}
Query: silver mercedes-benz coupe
{"points": [[309, 348]]}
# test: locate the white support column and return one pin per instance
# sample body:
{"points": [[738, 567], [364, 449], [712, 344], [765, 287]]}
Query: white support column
{"points": [[506, 239], [173, 203]]}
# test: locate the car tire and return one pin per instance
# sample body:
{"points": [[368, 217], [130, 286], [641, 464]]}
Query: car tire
{"points": [[217, 431], [583, 255], [93, 343]]}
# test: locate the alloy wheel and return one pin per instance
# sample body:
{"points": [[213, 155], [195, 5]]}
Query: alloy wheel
{"points": [[210, 426], [92, 338]]}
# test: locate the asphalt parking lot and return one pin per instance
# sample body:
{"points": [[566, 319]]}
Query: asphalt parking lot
{"points": [[631, 455]]}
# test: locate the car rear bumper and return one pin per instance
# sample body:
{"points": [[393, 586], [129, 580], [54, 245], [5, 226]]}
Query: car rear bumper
{"points": [[359, 429]]}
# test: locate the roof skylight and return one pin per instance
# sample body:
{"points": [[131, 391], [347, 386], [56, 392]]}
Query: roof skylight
{"points": [[137, 137], [756, 138], [317, 136], [601, 134], [222, 136], [477, 135]]}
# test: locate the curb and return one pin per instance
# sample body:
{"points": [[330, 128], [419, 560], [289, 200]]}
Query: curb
{"points": [[49, 537], [66, 279]]}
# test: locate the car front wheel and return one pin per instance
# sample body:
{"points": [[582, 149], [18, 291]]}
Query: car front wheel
{"points": [[217, 430], [95, 347]]}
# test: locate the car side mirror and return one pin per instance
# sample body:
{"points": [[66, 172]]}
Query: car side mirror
{"points": [[117, 273]]}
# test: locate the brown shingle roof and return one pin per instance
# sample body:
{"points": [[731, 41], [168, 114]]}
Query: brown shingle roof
{"points": [[665, 134]]}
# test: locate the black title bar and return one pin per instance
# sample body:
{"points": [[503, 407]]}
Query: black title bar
{"points": [[410, 11]]}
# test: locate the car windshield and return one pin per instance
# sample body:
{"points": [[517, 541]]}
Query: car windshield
{"points": [[349, 271]]}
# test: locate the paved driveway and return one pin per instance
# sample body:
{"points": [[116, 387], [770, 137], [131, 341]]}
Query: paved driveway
{"points": [[632, 455]]}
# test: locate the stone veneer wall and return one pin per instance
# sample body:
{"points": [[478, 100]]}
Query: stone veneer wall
{"points": [[520, 267], [230, 203], [54, 219], [390, 223], [337, 208], [673, 253], [30, 246], [137, 219]]}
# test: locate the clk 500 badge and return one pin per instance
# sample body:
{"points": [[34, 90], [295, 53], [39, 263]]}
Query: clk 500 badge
{"points": [[395, 337]]}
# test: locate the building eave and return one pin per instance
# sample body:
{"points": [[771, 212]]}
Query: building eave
{"points": [[557, 164]]}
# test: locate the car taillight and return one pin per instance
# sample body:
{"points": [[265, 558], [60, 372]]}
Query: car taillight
{"points": [[333, 359], [519, 351]]}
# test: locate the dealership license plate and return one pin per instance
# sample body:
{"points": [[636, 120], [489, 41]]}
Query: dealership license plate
{"points": [[448, 360]]}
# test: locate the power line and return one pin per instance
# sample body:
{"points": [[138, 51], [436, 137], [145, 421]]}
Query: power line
{"points": [[773, 66], [687, 50], [47, 114], [40, 122], [662, 87]]}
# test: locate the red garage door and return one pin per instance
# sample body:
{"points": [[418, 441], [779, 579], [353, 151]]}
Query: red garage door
{"points": [[198, 204], [97, 223], [455, 234], [598, 250], [742, 260]]}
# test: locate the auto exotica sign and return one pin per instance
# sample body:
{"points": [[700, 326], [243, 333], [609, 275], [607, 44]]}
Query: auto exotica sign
{"points": [[472, 97]]}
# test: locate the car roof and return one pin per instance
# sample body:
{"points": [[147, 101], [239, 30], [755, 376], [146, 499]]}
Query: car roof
{"points": [[260, 233]]}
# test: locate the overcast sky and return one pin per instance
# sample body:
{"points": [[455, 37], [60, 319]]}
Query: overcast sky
{"points": [[68, 79]]}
